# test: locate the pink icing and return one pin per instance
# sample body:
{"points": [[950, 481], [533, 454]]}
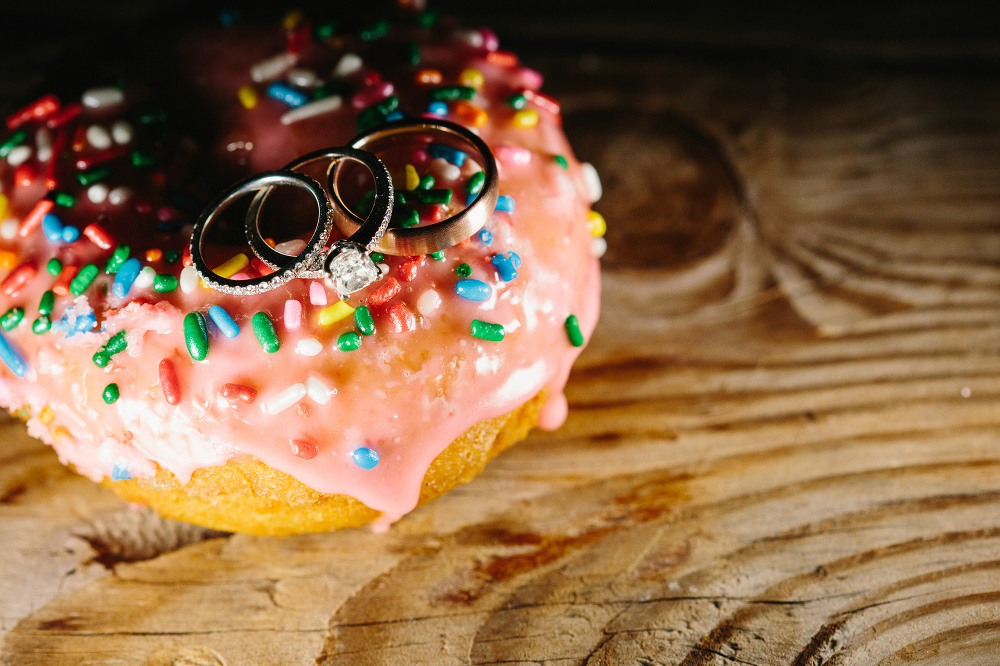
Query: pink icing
{"points": [[406, 395]]}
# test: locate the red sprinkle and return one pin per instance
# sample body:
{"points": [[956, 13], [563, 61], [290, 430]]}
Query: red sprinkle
{"points": [[542, 101], [18, 279], [502, 59], [261, 267], [389, 288], [25, 174], [98, 236], [66, 275], [51, 182], [37, 110], [79, 139], [84, 163], [169, 385], [239, 392], [303, 449], [69, 112], [372, 78], [298, 39], [408, 267], [186, 256], [430, 212], [400, 318], [33, 220]]}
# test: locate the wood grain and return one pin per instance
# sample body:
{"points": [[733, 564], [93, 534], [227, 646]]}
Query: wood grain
{"points": [[783, 438]]}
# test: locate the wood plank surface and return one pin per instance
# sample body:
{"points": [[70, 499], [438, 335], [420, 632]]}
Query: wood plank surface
{"points": [[782, 445]]}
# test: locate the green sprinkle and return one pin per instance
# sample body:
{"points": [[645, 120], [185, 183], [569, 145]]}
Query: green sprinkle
{"points": [[427, 19], [54, 267], [475, 183], [573, 331], [432, 196], [517, 101], [94, 175], [111, 393], [196, 335], [561, 161], [377, 257], [326, 30], [164, 283], [348, 341], [15, 140], [463, 270], [64, 200], [405, 217], [332, 88], [484, 330], [141, 159], [263, 328], [399, 197], [115, 345], [83, 279], [365, 205], [47, 303], [150, 115], [41, 325], [101, 359], [426, 182], [412, 53], [171, 256], [374, 31], [438, 256], [451, 93], [376, 113], [116, 260], [11, 318], [363, 320]]}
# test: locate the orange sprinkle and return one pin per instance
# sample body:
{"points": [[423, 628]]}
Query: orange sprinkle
{"points": [[7, 259], [429, 77], [79, 139], [502, 59], [470, 114], [66, 275], [154, 254]]}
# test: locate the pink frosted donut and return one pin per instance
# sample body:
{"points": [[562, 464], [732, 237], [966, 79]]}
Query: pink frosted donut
{"points": [[192, 400]]}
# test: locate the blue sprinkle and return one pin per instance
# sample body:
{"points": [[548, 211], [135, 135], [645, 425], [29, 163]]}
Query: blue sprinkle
{"points": [[473, 290], [395, 115], [228, 17], [506, 265], [456, 157], [505, 203], [12, 358], [85, 323], [485, 236], [438, 108], [225, 323], [365, 458], [52, 227], [70, 233], [287, 94], [120, 473], [125, 277], [470, 198]]}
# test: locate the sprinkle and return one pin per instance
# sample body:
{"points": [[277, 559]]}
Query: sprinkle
{"points": [[504, 59], [335, 313], [97, 193], [437, 256], [471, 77], [505, 203], [33, 219], [377, 29], [189, 279], [426, 182], [471, 115], [7, 259], [171, 256], [18, 279], [19, 155], [121, 132], [126, 275], [165, 283], [232, 266], [525, 118], [378, 113], [308, 347], [223, 321], [376, 257], [37, 110], [98, 137], [539, 99], [140, 160], [8, 227], [154, 254], [101, 98], [348, 341], [389, 288], [561, 161], [371, 95], [169, 386], [400, 318], [83, 279], [25, 174], [273, 67], [12, 358], [515, 156], [119, 195], [451, 93], [247, 95], [487, 331], [16, 139], [598, 246], [98, 236], [434, 196], [65, 279], [293, 314], [285, 399], [285, 93], [263, 328], [46, 303], [475, 183], [60, 118], [593, 181], [54, 266], [428, 302], [317, 293], [115, 345], [145, 278], [437, 109], [506, 265], [41, 325], [239, 392], [111, 395], [63, 199], [444, 169], [117, 259], [196, 335], [348, 64], [473, 290], [573, 331], [405, 218], [412, 177], [312, 109], [11, 318], [364, 457], [52, 228], [363, 320], [43, 139], [428, 77], [452, 155], [485, 237], [119, 472], [318, 390], [303, 449], [517, 100], [596, 224]]}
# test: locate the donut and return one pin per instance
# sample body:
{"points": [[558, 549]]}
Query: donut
{"points": [[301, 408]]}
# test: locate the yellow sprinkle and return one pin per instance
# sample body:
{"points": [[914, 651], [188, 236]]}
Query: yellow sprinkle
{"points": [[292, 19], [472, 78], [412, 178], [596, 224], [3, 206], [46, 415], [526, 118], [334, 313], [248, 96], [7, 259], [232, 266], [61, 435]]}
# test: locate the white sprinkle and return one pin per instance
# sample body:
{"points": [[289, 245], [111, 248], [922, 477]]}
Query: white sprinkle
{"points": [[318, 391], [598, 246], [317, 293], [966, 392], [98, 137], [347, 65], [308, 347], [473, 38], [384, 268], [97, 192], [100, 98], [19, 155], [593, 181], [317, 108], [8, 228], [444, 170], [119, 195], [428, 302], [121, 131], [291, 247], [189, 279], [285, 399], [273, 67], [145, 278], [43, 144], [303, 78]]}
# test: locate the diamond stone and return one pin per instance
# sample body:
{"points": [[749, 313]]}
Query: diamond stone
{"points": [[351, 270]]}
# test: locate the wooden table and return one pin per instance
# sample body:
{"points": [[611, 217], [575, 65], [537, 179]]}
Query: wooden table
{"points": [[782, 446]]}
